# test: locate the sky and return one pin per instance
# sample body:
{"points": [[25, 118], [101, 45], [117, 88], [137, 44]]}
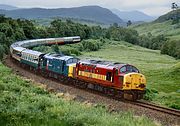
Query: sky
{"points": [[150, 7]]}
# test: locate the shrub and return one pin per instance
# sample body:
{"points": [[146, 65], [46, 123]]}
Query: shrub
{"points": [[150, 94], [172, 48], [92, 45], [174, 105]]}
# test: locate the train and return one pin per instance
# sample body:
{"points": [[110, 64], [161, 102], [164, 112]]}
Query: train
{"points": [[120, 80]]}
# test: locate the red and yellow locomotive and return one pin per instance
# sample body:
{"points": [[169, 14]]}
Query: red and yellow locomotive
{"points": [[123, 80]]}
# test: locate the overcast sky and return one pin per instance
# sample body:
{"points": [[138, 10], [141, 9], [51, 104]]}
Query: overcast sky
{"points": [[150, 7]]}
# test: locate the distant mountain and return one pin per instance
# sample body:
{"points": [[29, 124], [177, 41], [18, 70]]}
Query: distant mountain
{"points": [[7, 7], [169, 16], [94, 13], [134, 16]]}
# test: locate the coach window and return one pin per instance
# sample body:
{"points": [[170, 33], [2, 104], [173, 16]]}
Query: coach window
{"points": [[108, 76]]}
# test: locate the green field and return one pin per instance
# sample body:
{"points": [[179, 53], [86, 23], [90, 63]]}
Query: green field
{"points": [[23, 103], [165, 28]]}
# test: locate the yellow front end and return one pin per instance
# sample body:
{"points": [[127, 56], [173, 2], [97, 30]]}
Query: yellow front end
{"points": [[134, 81], [70, 70]]}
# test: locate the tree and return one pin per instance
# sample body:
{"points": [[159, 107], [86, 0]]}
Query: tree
{"points": [[6, 29], [115, 25], [175, 17], [55, 48], [129, 23], [2, 18], [29, 28], [1, 51], [174, 6]]}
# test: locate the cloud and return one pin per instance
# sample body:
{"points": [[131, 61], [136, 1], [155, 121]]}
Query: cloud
{"points": [[152, 7], [156, 11]]}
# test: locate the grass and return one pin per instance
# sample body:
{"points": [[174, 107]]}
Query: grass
{"points": [[162, 71], [22, 103], [165, 28]]}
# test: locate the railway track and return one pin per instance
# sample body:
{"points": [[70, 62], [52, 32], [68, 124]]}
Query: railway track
{"points": [[158, 108]]}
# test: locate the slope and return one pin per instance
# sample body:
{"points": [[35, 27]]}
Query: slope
{"points": [[166, 28], [169, 16], [163, 25]]}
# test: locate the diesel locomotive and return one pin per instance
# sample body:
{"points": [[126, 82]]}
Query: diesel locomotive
{"points": [[120, 80]]}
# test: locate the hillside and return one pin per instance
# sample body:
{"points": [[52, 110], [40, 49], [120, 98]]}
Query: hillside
{"points": [[169, 16], [93, 13], [134, 16], [155, 28], [162, 26]]}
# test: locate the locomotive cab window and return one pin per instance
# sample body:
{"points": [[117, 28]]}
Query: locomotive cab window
{"points": [[123, 69], [108, 76], [75, 60], [128, 69], [132, 69], [69, 61]]}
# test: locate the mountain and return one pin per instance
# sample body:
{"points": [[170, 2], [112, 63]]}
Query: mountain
{"points": [[7, 7], [94, 13], [169, 16], [134, 16]]}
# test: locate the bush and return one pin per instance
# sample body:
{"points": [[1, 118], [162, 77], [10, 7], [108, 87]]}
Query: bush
{"points": [[92, 45], [71, 51], [174, 105], [150, 94], [172, 48]]}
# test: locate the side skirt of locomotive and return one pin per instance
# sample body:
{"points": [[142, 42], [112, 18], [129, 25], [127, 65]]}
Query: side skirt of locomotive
{"points": [[132, 95]]}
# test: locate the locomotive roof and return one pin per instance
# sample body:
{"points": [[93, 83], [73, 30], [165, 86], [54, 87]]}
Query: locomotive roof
{"points": [[100, 63], [66, 58], [58, 56]]}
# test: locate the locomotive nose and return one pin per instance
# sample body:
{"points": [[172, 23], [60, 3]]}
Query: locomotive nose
{"points": [[134, 81]]}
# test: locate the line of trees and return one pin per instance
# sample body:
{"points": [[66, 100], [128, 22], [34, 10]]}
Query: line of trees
{"points": [[12, 30]]}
